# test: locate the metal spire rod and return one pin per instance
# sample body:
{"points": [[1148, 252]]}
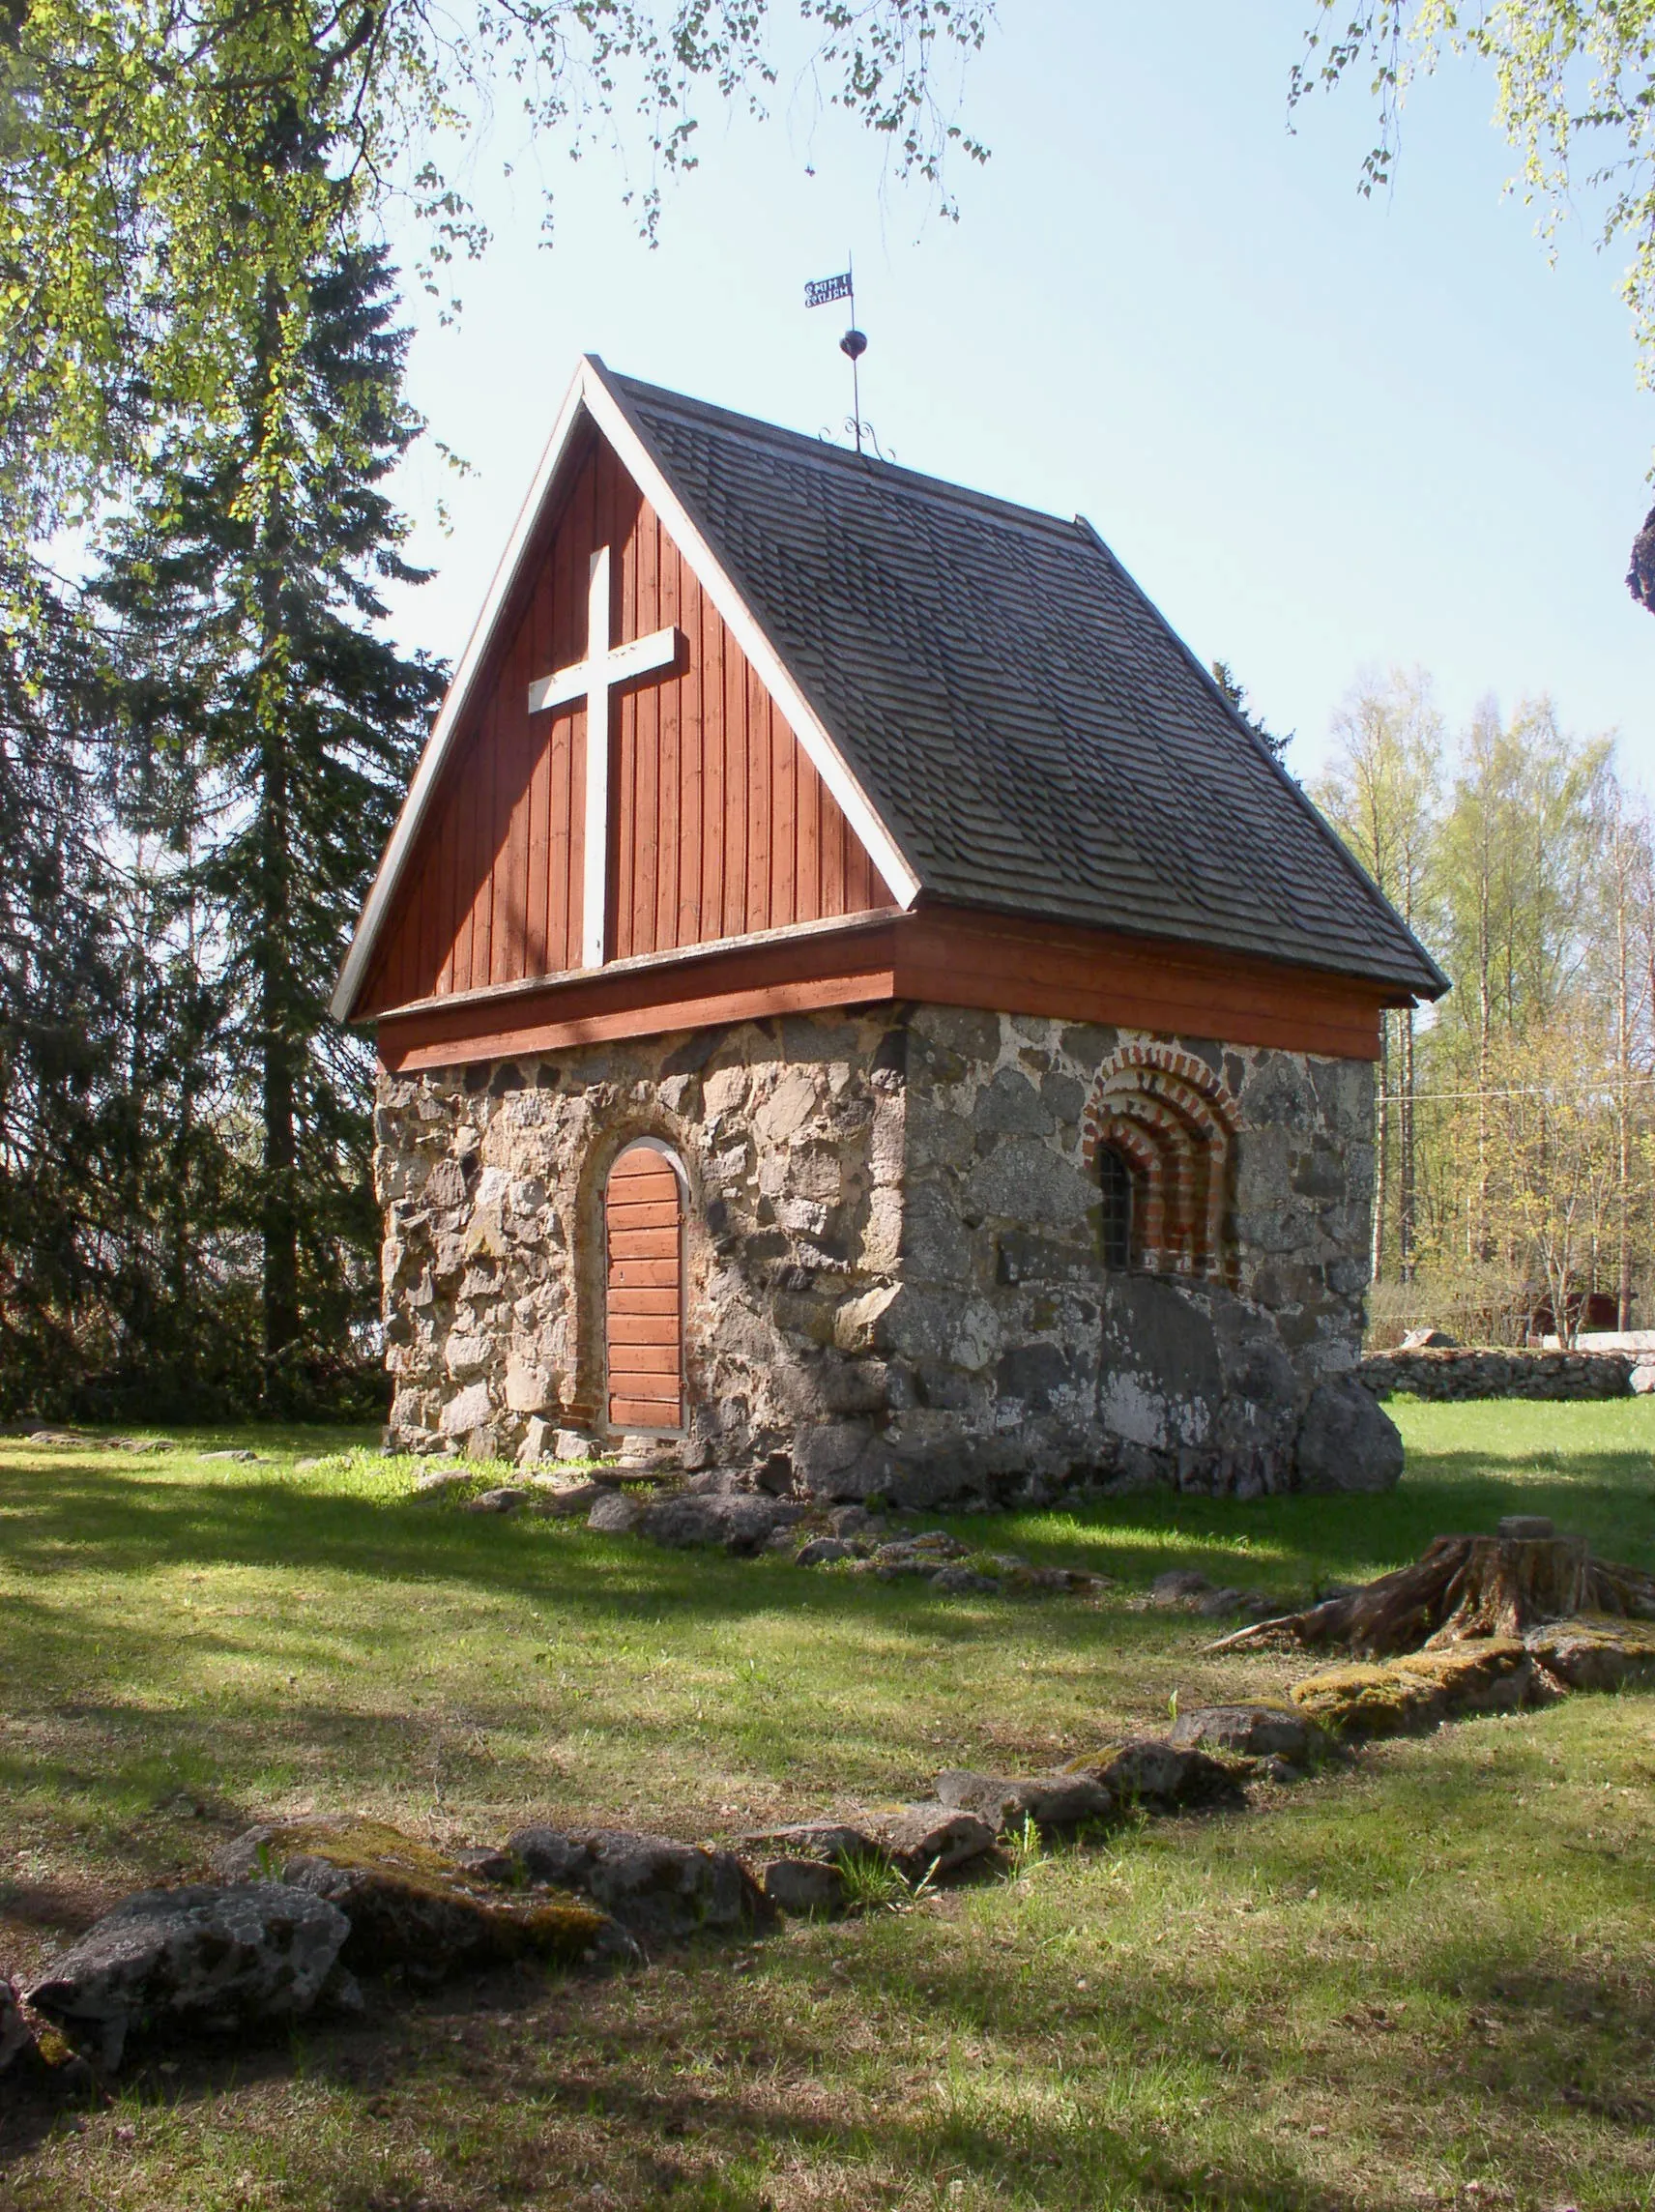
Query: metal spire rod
{"points": [[853, 344]]}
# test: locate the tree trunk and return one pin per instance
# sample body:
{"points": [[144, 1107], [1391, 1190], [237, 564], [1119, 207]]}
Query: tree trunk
{"points": [[274, 954], [1405, 1153], [1382, 1151]]}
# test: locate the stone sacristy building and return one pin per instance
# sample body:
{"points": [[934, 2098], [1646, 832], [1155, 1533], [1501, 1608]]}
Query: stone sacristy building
{"points": [[856, 1004]]}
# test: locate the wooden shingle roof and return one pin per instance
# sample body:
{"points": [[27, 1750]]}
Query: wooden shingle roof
{"points": [[1032, 732]]}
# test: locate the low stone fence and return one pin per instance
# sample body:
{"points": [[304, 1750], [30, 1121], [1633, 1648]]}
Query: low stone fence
{"points": [[1468, 1373]]}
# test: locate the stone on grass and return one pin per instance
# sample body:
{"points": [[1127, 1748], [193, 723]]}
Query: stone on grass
{"points": [[1483, 1675], [742, 1523], [238, 1454], [1593, 1652], [825, 1842], [207, 1957], [1161, 1777], [1251, 1732], [964, 1582], [1641, 1381], [1052, 1801], [1347, 1440], [412, 1905], [442, 1482], [1179, 1587], [803, 1886], [566, 1501], [920, 1840], [1016, 1574], [1214, 1603], [653, 1885], [826, 1552], [17, 2047], [615, 1514], [853, 1521], [507, 1499], [916, 1555]]}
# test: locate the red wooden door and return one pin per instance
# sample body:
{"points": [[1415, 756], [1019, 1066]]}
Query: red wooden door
{"points": [[644, 1311]]}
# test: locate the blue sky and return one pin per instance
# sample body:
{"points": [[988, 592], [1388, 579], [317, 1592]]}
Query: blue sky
{"points": [[1325, 434]]}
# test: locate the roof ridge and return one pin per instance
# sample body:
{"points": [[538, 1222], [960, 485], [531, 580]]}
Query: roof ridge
{"points": [[944, 489]]}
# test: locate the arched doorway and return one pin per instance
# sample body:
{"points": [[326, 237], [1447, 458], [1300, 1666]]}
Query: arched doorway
{"points": [[643, 1220]]}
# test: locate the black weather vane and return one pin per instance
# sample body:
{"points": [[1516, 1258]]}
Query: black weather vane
{"points": [[853, 345]]}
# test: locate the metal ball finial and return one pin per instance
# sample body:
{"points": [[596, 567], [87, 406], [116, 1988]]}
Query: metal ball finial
{"points": [[853, 345]]}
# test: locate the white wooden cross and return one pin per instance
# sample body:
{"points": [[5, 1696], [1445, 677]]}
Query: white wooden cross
{"points": [[604, 669]]}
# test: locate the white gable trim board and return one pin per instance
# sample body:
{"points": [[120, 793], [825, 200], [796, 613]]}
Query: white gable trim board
{"points": [[591, 394]]}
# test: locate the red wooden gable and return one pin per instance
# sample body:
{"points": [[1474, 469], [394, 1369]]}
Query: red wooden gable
{"points": [[718, 824]]}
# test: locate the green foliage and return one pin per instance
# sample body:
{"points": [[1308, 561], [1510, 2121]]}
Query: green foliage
{"points": [[1514, 1119], [202, 755], [1235, 695], [872, 1884], [160, 166], [66, 1137], [1574, 82], [264, 733]]}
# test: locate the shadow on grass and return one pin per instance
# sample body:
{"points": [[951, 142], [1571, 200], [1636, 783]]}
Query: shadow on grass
{"points": [[118, 1518], [1098, 2101]]}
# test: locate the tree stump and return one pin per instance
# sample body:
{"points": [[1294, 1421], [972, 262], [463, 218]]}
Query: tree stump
{"points": [[1463, 1587]]}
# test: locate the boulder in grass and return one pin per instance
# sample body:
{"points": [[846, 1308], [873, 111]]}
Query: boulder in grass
{"points": [[205, 1959], [826, 1842], [1179, 1587], [804, 1887], [741, 1523], [442, 1482], [1250, 1732], [615, 1514], [1161, 1777], [410, 1906], [1347, 1440], [1594, 1651], [1483, 1675], [655, 1887], [964, 1582], [934, 1839], [17, 2049], [505, 1498], [564, 1501], [828, 1552], [1052, 1801]]}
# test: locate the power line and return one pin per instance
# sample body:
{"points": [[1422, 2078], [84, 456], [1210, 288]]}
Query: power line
{"points": [[1608, 1086]]}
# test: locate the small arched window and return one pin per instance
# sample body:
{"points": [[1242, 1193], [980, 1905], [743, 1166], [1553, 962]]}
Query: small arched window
{"points": [[1120, 1190]]}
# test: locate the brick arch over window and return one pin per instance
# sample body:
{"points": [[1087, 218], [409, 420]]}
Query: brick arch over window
{"points": [[1173, 1121]]}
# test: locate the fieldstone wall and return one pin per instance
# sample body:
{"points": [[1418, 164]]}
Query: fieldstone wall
{"points": [[1022, 1361], [790, 1136], [1468, 1372], [894, 1280]]}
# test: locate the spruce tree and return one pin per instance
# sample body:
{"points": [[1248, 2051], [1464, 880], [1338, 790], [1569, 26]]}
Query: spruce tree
{"points": [[64, 1135], [269, 730]]}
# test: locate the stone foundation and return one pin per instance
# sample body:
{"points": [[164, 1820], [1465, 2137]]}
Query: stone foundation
{"points": [[894, 1279]]}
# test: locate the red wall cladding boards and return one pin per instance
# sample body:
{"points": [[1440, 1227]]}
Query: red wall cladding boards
{"points": [[718, 823]]}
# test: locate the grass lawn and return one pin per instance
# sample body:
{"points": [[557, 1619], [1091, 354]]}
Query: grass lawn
{"points": [[1427, 1980]]}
